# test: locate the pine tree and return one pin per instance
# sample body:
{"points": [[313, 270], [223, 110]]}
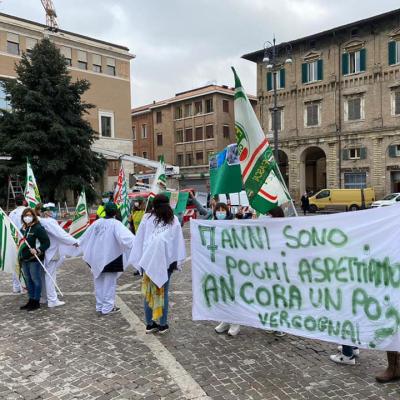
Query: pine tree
{"points": [[46, 124]]}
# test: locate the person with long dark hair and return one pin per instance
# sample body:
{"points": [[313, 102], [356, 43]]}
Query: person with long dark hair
{"points": [[159, 249]]}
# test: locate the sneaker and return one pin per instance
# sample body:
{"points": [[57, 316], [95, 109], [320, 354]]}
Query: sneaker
{"points": [[58, 303], [280, 333], [162, 330], [113, 311], [234, 330], [356, 352], [152, 328], [342, 359], [269, 331], [222, 327]]}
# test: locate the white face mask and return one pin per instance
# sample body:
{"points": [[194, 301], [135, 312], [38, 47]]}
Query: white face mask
{"points": [[28, 219], [136, 205]]}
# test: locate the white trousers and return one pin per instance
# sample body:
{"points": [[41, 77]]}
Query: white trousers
{"points": [[49, 293], [16, 283], [105, 287]]}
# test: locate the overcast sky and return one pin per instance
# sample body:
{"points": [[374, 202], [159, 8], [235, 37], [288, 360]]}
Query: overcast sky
{"points": [[183, 44]]}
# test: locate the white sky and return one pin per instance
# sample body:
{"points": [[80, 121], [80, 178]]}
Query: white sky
{"points": [[183, 44]]}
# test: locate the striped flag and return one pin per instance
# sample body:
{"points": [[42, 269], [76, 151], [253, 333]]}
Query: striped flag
{"points": [[159, 184], [121, 197], [260, 173], [80, 221], [8, 245], [32, 195]]}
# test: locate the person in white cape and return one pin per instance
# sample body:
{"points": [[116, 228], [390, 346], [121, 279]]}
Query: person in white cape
{"points": [[60, 245], [106, 246], [159, 249]]}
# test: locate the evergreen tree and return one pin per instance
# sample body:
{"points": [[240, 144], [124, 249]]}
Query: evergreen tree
{"points": [[47, 125]]}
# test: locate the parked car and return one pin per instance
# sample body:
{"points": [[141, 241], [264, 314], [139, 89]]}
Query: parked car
{"points": [[388, 200], [345, 199]]}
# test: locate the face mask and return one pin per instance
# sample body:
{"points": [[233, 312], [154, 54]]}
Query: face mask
{"points": [[28, 219], [220, 214], [136, 205]]}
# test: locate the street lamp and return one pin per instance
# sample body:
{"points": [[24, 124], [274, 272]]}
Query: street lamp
{"points": [[274, 57]]}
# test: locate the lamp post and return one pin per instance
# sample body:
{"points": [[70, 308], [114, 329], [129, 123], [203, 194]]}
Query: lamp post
{"points": [[274, 57]]}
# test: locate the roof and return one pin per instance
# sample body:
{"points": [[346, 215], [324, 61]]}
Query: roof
{"points": [[62, 31], [189, 94], [259, 54]]}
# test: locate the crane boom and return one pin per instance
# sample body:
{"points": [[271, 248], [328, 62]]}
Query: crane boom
{"points": [[51, 15]]}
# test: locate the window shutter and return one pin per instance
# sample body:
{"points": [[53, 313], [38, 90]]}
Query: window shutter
{"points": [[269, 81], [363, 153], [304, 77], [12, 37], [320, 70], [82, 56], [392, 151], [96, 59], [392, 52], [345, 154], [363, 60], [282, 78], [345, 63]]}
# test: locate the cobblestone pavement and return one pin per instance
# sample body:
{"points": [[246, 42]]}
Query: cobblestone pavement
{"points": [[71, 353]]}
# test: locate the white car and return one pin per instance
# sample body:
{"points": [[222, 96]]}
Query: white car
{"points": [[388, 200]]}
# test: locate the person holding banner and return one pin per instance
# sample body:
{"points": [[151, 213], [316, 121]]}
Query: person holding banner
{"points": [[159, 250], [33, 233]]}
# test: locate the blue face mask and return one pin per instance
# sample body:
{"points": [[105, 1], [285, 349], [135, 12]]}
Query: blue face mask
{"points": [[220, 214]]}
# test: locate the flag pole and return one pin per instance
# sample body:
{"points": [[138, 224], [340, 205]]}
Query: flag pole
{"points": [[30, 248]]}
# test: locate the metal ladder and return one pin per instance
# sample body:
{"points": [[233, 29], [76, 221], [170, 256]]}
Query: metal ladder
{"points": [[14, 190]]}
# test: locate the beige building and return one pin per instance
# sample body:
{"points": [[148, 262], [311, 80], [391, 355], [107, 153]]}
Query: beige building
{"points": [[105, 65], [339, 107], [186, 129]]}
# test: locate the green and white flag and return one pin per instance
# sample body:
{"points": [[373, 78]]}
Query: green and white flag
{"points": [[8, 245], [32, 195], [81, 218], [178, 201], [260, 173], [121, 197], [160, 180]]}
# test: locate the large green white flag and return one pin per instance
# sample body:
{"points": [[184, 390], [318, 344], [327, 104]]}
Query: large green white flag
{"points": [[121, 197], [81, 218], [160, 180], [32, 195], [8, 245], [260, 173]]}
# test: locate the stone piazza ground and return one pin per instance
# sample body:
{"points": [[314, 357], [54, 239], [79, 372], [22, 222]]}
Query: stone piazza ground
{"points": [[71, 353]]}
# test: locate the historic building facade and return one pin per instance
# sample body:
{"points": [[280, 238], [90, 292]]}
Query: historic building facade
{"points": [[339, 107], [105, 65]]}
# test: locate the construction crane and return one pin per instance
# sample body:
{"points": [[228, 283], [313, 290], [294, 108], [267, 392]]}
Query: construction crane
{"points": [[51, 15]]}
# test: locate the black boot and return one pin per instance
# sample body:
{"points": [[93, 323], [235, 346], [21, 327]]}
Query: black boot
{"points": [[27, 305], [34, 306]]}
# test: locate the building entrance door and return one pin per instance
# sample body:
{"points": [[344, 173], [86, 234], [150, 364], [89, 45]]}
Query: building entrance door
{"points": [[314, 170], [395, 181]]}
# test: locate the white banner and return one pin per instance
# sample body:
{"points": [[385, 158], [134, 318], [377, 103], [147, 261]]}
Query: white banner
{"points": [[330, 277]]}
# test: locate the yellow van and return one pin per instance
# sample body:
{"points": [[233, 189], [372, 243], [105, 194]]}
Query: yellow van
{"points": [[348, 199]]}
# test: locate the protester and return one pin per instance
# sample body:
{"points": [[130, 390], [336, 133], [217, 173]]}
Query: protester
{"points": [[137, 213], [158, 251], [55, 254], [242, 214], [392, 372], [221, 212], [15, 217], [305, 203], [105, 246], [101, 212], [34, 234]]}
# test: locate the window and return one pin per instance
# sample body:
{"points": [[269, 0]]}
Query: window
{"points": [[209, 106], [179, 136], [226, 132], [106, 124], [354, 154], [178, 112], [82, 59], [199, 133], [144, 154], [158, 117], [355, 180], [354, 109], [189, 135], [198, 107], [188, 110], [144, 131], [110, 69], [396, 103], [113, 167], [199, 158], [96, 61], [312, 114], [159, 139], [394, 52], [4, 104], [394, 150], [189, 159], [354, 62], [323, 194], [225, 106], [12, 43], [179, 160], [280, 80], [30, 43], [209, 131], [279, 115], [67, 53], [134, 132], [312, 71]]}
